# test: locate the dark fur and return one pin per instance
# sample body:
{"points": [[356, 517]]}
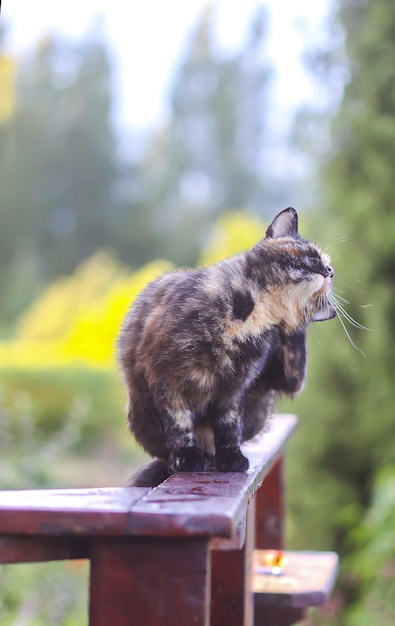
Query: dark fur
{"points": [[205, 352]]}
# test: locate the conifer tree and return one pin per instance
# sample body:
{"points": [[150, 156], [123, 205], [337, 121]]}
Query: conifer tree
{"points": [[347, 409], [58, 166], [208, 156]]}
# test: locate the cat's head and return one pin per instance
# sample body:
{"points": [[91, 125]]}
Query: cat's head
{"points": [[298, 273]]}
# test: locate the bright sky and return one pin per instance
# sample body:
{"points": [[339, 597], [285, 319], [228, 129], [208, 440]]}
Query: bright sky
{"points": [[156, 31]]}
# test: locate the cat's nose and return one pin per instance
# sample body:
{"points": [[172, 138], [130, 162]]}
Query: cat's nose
{"points": [[328, 271]]}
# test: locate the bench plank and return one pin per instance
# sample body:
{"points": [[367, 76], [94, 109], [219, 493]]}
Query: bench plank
{"points": [[196, 504], [211, 504], [32, 549], [307, 580], [67, 511]]}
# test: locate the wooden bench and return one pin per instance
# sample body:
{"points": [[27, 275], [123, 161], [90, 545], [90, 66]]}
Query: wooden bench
{"points": [[179, 554]]}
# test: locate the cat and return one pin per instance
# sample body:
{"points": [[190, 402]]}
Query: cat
{"points": [[204, 353]]}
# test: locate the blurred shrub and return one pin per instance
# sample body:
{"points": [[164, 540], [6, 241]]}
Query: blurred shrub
{"points": [[47, 397], [232, 233], [55, 311], [373, 560], [55, 594], [60, 366], [60, 391], [77, 318]]}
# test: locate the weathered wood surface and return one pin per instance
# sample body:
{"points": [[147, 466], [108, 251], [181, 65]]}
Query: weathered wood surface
{"points": [[14, 549], [307, 579], [150, 581], [270, 510], [279, 616], [67, 511], [231, 592], [180, 553], [196, 504]]}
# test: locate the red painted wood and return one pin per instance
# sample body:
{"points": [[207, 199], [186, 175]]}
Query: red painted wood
{"points": [[277, 616], [215, 503], [206, 504], [33, 549], [149, 548], [68, 511], [270, 509], [150, 582], [231, 594], [307, 579], [234, 543]]}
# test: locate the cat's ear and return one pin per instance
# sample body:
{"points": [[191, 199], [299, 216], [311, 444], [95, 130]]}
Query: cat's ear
{"points": [[285, 224]]}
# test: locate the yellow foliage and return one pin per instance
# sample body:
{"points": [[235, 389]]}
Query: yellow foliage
{"points": [[232, 234], [77, 318], [94, 332], [7, 95], [30, 354], [54, 313]]}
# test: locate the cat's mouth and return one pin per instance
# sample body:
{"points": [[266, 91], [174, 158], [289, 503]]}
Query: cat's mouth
{"points": [[324, 308]]}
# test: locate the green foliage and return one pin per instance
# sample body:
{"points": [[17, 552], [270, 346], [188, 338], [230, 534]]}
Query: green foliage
{"points": [[373, 564], [57, 166], [60, 392], [340, 458], [60, 599], [81, 397]]}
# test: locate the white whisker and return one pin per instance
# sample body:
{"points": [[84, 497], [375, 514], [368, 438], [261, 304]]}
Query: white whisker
{"points": [[342, 312], [338, 297], [339, 306], [349, 337]]}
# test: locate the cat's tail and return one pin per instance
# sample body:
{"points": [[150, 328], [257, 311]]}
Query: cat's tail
{"points": [[150, 475]]}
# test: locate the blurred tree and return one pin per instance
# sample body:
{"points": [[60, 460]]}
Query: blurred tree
{"points": [[347, 408], [6, 87], [208, 157], [66, 192], [374, 562], [7, 80], [58, 166]]}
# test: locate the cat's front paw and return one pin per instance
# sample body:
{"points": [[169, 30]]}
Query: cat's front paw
{"points": [[189, 460], [231, 461]]}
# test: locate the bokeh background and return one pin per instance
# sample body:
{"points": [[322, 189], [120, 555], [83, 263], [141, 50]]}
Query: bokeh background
{"points": [[135, 137]]}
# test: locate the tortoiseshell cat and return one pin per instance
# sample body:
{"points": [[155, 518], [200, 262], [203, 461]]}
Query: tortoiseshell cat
{"points": [[204, 352]]}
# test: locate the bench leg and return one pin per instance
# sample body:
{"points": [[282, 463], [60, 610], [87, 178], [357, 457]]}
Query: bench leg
{"points": [[151, 582], [270, 510], [231, 594]]}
